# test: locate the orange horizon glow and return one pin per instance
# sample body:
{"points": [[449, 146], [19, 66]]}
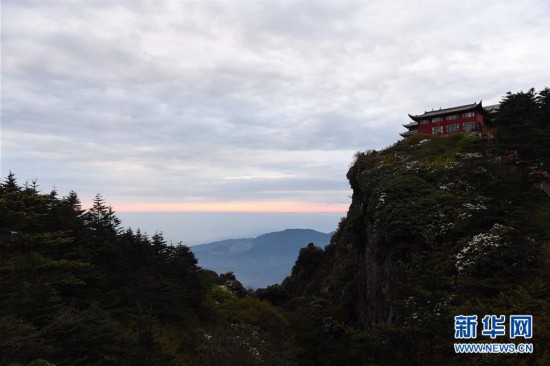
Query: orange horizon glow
{"points": [[283, 206]]}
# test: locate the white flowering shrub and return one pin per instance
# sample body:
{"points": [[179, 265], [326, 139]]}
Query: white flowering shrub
{"points": [[500, 248], [238, 344], [467, 156], [474, 206]]}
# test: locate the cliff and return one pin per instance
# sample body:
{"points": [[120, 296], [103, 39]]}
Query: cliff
{"points": [[437, 227]]}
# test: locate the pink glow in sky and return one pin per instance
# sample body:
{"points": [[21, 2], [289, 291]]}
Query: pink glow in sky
{"points": [[259, 206]]}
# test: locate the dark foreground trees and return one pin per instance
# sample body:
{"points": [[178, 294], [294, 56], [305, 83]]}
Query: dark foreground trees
{"points": [[78, 289]]}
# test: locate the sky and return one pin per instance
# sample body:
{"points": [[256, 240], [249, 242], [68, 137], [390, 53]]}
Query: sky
{"points": [[242, 106]]}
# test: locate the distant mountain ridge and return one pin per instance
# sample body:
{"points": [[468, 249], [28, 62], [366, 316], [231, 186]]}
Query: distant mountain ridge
{"points": [[261, 261]]}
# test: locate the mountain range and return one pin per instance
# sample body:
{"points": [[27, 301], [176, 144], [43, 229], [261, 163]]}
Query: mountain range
{"points": [[261, 261]]}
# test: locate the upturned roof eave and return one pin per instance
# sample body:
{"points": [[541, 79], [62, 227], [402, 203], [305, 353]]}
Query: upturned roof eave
{"points": [[408, 133], [463, 108]]}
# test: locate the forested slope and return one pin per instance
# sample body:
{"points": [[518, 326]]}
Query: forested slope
{"points": [[77, 289]]}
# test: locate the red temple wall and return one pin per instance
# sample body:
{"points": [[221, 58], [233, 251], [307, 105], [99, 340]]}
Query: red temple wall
{"points": [[427, 128]]}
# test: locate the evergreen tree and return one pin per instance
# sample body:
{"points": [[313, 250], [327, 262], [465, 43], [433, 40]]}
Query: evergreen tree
{"points": [[101, 218], [523, 125]]}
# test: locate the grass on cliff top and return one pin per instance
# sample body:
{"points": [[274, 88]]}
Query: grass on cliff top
{"points": [[433, 150]]}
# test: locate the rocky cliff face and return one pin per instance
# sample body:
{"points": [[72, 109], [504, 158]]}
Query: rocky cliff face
{"points": [[429, 217], [374, 268]]}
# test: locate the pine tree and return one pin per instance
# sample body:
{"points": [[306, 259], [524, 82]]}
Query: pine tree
{"points": [[101, 218]]}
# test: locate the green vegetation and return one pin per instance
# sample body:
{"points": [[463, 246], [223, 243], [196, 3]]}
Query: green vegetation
{"points": [[76, 289], [523, 125], [438, 227]]}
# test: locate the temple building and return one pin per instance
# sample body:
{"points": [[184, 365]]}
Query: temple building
{"points": [[470, 118]]}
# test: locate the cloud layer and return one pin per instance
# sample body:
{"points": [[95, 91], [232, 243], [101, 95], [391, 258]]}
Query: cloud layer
{"points": [[212, 105]]}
